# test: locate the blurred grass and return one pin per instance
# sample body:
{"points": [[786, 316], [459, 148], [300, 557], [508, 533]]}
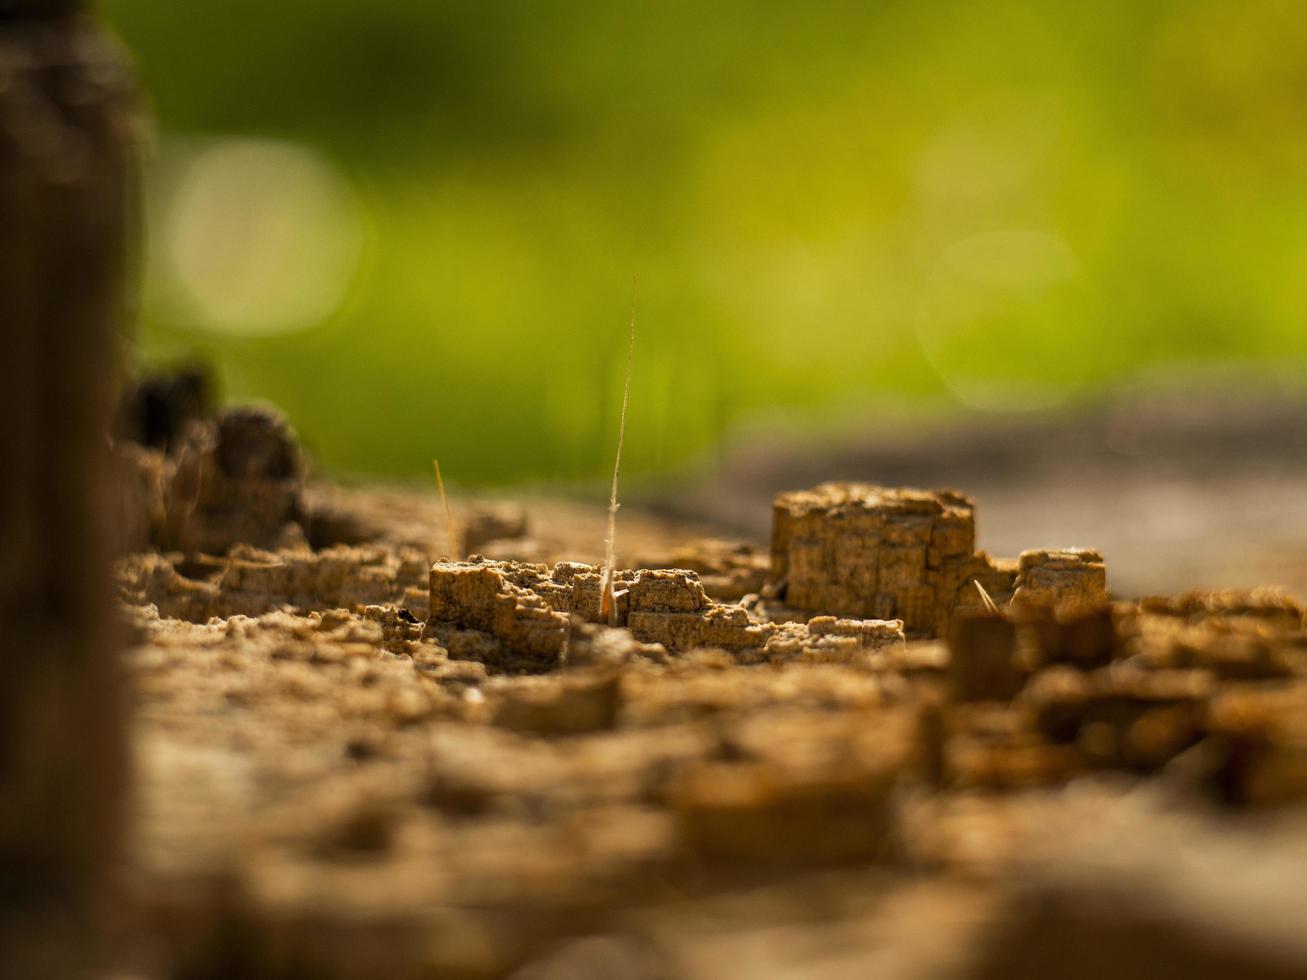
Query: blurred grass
{"points": [[833, 208]]}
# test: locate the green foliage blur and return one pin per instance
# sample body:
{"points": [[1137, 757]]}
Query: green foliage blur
{"points": [[836, 210]]}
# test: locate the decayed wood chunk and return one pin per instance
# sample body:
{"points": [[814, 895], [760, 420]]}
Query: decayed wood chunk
{"points": [[528, 607], [729, 570], [250, 581], [479, 597], [855, 549], [983, 663], [804, 787], [1265, 733], [1121, 717], [1070, 577]]}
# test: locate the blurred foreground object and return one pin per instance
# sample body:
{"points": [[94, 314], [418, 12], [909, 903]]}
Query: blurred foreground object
{"points": [[154, 411], [65, 196], [236, 479]]}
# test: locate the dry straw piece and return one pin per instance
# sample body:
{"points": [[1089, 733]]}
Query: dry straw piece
{"points": [[984, 596], [607, 603], [449, 518]]}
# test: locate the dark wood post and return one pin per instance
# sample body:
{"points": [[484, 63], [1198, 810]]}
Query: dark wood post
{"points": [[66, 197]]}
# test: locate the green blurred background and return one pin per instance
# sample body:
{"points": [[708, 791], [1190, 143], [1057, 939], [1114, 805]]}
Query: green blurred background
{"points": [[414, 224]]}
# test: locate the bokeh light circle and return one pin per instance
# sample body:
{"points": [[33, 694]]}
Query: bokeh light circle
{"points": [[261, 237], [1005, 320]]}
